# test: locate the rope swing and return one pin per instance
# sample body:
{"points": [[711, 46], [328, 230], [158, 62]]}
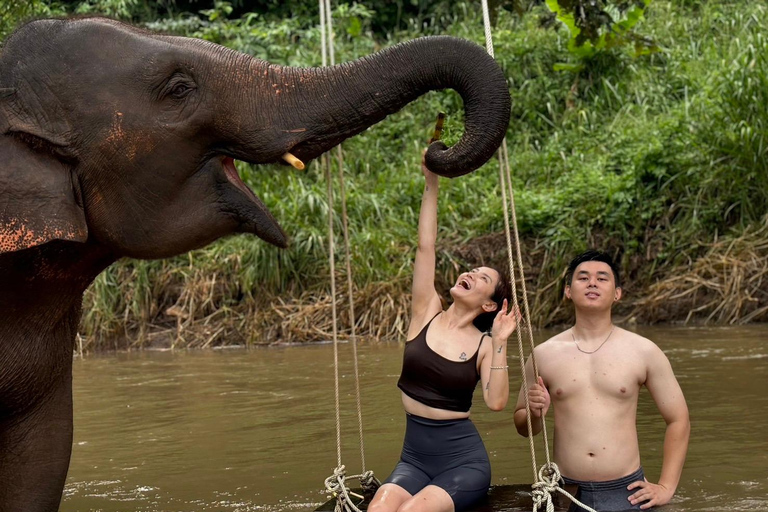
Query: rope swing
{"points": [[336, 483], [546, 479]]}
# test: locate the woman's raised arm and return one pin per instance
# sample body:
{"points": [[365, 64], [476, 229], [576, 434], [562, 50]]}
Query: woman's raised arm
{"points": [[425, 300]]}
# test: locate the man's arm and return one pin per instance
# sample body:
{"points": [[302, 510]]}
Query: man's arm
{"points": [[538, 399], [668, 396]]}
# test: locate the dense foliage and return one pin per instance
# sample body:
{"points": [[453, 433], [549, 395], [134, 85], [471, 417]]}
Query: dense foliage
{"points": [[650, 154]]}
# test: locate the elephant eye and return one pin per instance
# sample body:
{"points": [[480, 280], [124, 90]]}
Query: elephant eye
{"points": [[181, 90], [179, 87]]}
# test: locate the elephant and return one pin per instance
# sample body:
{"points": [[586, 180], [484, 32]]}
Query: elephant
{"points": [[119, 142]]}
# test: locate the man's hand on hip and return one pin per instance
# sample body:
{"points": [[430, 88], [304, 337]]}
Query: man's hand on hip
{"points": [[652, 494]]}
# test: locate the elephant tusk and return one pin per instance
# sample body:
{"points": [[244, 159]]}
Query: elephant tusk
{"points": [[295, 162]]}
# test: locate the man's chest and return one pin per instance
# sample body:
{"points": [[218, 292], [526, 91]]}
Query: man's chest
{"points": [[613, 374]]}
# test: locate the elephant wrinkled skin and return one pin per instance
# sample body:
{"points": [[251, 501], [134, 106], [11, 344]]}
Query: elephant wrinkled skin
{"points": [[118, 142]]}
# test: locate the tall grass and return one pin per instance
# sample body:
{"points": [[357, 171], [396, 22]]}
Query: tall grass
{"points": [[651, 158]]}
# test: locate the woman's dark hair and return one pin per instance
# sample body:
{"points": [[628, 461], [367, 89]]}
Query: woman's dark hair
{"points": [[593, 255], [503, 290]]}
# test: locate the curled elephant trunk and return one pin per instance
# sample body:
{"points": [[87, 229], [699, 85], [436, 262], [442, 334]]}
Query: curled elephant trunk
{"points": [[318, 108]]}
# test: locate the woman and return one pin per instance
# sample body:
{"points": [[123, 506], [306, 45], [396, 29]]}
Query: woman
{"points": [[444, 466]]}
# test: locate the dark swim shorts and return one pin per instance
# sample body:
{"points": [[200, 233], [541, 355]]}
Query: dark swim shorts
{"points": [[446, 453], [610, 496]]}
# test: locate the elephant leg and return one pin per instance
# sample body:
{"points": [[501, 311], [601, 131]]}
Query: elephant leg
{"points": [[36, 449]]}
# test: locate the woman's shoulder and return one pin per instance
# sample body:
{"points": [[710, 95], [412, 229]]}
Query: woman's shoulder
{"points": [[420, 321], [484, 338]]}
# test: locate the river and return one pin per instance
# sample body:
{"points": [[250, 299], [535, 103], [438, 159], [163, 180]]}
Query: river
{"points": [[247, 430]]}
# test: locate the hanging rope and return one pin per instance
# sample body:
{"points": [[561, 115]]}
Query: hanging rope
{"points": [[336, 483], [347, 251], [353, 334], [325, 24], [546, 479]]}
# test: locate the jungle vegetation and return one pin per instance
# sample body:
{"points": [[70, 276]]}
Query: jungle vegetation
{"points": [[640, 128]]}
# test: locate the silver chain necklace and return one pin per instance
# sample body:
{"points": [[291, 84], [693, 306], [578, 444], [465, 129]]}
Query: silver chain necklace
{"points": [[598, 348]]}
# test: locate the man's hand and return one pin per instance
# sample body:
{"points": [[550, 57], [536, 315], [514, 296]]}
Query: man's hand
{"points": [[538, 397], [652, 494]]}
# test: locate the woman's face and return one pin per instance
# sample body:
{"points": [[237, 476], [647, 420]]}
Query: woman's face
{"points": [[476, 286]]}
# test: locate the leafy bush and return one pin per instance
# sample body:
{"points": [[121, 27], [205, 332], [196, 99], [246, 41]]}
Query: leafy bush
{"points": [[600, 25], [652, 155]]}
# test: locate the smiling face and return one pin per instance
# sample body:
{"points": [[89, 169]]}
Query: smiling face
{"points": [[476, 288], [593, 285]]}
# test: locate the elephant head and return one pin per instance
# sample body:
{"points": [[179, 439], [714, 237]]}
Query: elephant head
{"points": [[115, 141], [127, 138]]}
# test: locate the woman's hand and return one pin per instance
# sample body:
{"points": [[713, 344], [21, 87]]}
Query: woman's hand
{"points": [[538, 398], [429, 175], [505, 323]]}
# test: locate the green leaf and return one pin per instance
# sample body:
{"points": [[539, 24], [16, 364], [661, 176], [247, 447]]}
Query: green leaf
{"points": [[354, 27], [566, 66]]}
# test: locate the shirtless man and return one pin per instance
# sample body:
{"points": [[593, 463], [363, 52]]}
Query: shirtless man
{"points": [[594, 372]]}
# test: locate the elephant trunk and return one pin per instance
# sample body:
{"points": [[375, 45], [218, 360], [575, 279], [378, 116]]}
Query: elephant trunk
{"points": [[314, 109]]}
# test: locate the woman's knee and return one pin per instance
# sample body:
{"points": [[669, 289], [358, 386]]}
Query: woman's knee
{"points": [[388, 498], [430, 499], [379, 506]]}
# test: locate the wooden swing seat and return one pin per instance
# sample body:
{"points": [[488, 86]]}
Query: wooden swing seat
{"points": [[501, 498]]}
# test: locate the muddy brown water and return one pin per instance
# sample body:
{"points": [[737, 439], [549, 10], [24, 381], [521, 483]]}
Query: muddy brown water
{"points": [[247, 430]]}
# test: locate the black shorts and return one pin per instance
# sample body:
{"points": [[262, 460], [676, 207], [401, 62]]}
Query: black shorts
{"points": [[610, 496], [446, 453]]}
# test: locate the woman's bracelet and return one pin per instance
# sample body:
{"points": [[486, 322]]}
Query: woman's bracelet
{"points": [[499, 367]]}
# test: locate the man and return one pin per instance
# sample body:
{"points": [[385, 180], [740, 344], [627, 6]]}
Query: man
{"points": [[592, 374]]}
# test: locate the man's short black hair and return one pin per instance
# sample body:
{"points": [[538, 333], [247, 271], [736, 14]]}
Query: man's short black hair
{"points": [[593, 255]]}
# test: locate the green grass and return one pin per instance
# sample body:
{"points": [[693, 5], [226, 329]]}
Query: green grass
{"points": [[649, 157]]}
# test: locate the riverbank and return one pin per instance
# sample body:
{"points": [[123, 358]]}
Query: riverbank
{"points": [[725, 283]]}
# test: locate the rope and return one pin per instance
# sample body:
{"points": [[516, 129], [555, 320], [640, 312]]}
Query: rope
{"points": [[333, 309], [547, 484], [331, 253], [335, 484], [345, 228], [337, 487], [353, 334], [546, 479]]}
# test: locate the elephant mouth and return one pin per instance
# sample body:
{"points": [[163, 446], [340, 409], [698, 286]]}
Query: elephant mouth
{"points": [[257, 218], [234, 178]]}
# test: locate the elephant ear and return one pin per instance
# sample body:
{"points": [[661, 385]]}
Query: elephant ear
{"points": [[38, 200]]}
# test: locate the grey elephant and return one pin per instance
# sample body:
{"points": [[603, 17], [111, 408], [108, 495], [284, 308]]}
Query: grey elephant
{"points": [[118, 142]]}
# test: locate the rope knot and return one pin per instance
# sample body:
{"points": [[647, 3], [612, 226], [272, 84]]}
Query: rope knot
{"points": [[549, 473], [334, 484], [369, 482], [546, 485]]}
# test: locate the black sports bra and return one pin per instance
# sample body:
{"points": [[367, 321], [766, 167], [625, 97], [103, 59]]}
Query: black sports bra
{"points": [[435, 381]]}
